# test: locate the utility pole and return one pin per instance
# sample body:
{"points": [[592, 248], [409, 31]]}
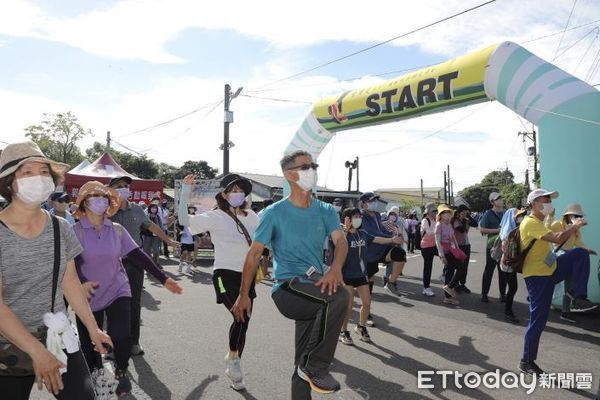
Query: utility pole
{"points": [[445, 189], [532, 152], [357, 176], [108, 141], [228, 119], [448, 180]]}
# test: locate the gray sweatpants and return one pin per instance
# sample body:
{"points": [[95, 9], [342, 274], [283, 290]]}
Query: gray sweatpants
{"points": [[319, 318]]}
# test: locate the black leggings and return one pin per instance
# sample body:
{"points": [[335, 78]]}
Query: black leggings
{"points": [[453, 272], [488, 274], [511, 280], [428, 254], [466, 248], [77, 382], [118, 317], [411, 242], [237, 330]]}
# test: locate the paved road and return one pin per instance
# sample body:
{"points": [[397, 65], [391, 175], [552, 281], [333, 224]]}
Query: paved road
{"points": [[185, 341]]}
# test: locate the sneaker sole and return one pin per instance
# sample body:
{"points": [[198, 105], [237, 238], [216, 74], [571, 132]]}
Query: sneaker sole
{"points": [[450, 292], [314, 387], [582, 310], [238, 387]]}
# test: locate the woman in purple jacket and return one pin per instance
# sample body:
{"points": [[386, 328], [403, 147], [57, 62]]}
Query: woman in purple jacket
{"points": [[103, 276]]}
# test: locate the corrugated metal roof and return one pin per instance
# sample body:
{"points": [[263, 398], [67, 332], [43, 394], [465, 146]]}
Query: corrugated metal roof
{"points": [[272, 181]]}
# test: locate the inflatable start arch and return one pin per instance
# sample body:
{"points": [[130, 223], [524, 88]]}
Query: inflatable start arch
{"points": [[565, 109]]}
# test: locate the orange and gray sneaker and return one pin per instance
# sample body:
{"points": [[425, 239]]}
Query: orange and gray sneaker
{"points": [[323, 384]]}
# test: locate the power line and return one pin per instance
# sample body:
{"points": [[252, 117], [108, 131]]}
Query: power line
{"points": [[428, 136], [197, 122], [577, 42], [561, 31], [339, 80], [167, 121], [586, 51], [378, 44], [405, 69], [563, 34], [276, 99]]}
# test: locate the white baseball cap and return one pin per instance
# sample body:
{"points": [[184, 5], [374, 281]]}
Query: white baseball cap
{"points": [[537, 193], [494, 196]]}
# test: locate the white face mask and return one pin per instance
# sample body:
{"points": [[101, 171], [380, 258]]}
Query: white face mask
{"points": [[34, 190], [356, 222], [307, 179], [547, 208], [337, 208]]}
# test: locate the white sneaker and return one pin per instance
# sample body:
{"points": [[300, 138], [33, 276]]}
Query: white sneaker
{"points": [[234, 372], [180, 269], [428, 292], [188, 270]]}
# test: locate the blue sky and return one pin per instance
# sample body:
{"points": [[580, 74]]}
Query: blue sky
{"points": [[126, 65]]}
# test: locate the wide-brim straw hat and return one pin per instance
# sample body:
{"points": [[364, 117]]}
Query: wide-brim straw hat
{"points": [[574, 209], [16, 154], [443, 208], [98, 189]]}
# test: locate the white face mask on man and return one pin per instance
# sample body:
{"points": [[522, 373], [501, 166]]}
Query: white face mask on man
{"points": [[34, 190], [307, 179], [547, 208]]}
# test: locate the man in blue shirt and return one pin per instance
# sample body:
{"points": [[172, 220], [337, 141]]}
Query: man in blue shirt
{"points": [[295, 228], [490, 225], [380, 253]]}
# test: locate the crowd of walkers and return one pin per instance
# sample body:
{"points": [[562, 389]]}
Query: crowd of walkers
{"points": [[90, 253]]}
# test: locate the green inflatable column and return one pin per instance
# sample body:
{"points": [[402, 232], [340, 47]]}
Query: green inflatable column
{"points": [[567, 113]]}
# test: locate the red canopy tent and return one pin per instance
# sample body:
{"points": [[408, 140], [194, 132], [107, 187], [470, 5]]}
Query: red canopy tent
{"points": [[104, 169]]}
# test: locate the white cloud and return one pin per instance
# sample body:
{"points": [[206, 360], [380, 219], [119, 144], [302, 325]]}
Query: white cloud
{"points": [[135, 29]]}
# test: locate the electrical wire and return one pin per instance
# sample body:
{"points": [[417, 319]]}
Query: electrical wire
{"points": [[576, 43], [168, 121], [197, 122], [587, 51], [563, 34], [377, 44], [430, 135], [276, 99]]}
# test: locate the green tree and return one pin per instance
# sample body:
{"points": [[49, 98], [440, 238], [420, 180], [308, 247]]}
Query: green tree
{"points": [[498, 178], [199, 168], [57, 135], [140, 166], [514, 194], [477, 196]]}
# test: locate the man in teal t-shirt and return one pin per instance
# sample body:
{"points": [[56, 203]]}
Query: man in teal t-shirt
{"points": [[295, 228]]}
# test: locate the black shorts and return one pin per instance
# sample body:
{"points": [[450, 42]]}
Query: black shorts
{"points": [[187, 247], [227, 284], [356, 282], [397, 254]]}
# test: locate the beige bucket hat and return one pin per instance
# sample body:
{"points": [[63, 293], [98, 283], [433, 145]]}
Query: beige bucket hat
{"points": [[16, 154]]}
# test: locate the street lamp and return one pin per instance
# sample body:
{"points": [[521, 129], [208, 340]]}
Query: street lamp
{"points": [[228, 119]]}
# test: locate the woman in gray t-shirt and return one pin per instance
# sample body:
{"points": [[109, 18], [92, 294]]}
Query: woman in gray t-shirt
{"points": [[27, 178]]}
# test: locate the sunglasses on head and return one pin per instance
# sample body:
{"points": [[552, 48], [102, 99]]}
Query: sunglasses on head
{"points": [[305, 167]]}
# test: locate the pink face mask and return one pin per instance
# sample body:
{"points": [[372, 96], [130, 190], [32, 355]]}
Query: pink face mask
{"points": [[236, 199]]}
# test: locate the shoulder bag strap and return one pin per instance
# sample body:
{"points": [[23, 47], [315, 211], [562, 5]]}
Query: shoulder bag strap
{"points": [[242, 227], [56, 229]]}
